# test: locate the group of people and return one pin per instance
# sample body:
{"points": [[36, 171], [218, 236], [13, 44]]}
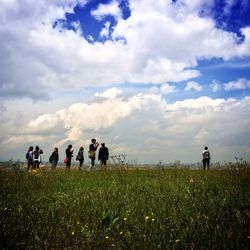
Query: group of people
{"points": [[34, 156]]}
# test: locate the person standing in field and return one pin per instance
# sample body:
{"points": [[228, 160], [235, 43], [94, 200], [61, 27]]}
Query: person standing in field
{"points": [[92, 149], [37, 157], [103, 156], [80, 157], [54, 158], [206, 158], [29, 157], [69, 155]]}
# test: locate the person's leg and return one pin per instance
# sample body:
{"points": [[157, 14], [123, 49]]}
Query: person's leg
{"points": [[92, 164], [208, 163], [204, 164]]}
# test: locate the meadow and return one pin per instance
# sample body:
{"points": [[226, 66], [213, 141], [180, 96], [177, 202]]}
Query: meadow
{"points": [[125, 209]]}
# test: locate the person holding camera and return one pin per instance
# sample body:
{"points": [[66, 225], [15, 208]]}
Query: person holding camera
{"points": [[92, 149]]}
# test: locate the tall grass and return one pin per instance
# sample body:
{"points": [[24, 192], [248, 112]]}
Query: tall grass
{"points": [[141, 209]]}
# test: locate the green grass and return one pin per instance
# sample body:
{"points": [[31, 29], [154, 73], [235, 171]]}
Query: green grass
{"points": [[141, 209]]}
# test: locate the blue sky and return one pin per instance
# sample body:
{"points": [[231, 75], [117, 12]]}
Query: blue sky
{"points": [[169, 73]]}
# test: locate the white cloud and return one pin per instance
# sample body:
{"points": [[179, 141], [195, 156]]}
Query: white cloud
{"points": [[105, 31], [103, 10], [144, 126], [110, 93], [193, 86], [215, 85], [167, 89], [35, 53], [239, 84]]}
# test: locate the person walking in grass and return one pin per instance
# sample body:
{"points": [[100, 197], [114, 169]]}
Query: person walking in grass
{"points": [[103, 156], [69, 155], [92, 149], [206, 158], [54, 158], [29, 158], [80, 157]]}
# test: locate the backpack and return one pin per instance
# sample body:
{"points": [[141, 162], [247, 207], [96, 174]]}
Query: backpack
{"points": [[206, 155], [51, 158], [27, 156]]}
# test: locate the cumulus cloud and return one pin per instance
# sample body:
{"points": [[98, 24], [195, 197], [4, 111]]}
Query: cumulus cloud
{"points": [[167, 89], [103, 10], [110, 93], [145, 126], [193, 86], [215, 85], [37, 53], [239, 84]]}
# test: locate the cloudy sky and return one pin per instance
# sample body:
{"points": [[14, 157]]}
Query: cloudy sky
{"points": [[157, 80]]}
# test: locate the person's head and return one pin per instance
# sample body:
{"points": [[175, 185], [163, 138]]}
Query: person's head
{"points": [[93, 140], [56, 149], [206, 148], [37, 148], [103, 144], [81, 148], [31, 148], [70, 146]]}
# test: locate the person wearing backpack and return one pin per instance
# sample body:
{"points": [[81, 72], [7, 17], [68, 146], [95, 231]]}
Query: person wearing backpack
{"points": [[103, 156], [80, 157], [37, 157], [29, 158], [206, 158], [53, 159]]}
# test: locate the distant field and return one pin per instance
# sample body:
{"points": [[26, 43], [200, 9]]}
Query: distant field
{"points": [[141, 209]]}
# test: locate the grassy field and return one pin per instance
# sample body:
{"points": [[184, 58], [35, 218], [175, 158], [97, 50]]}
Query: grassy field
{"points": [[140, 209]]}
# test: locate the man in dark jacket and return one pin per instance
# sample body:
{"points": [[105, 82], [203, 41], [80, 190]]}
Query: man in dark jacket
{"points": [[103, 155]]}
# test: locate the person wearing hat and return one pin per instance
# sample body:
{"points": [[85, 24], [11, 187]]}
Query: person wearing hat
{"points": [[103, 156], [206, 158]]}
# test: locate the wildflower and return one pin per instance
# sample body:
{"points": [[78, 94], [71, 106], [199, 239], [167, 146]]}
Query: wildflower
{"points": [[125, 218], [77, 222], [176, 241], [153, 219], [106, 237], [73, 233], [121, 233], [146, 218]]}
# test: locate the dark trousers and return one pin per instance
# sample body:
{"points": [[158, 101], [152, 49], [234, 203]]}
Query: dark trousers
{"points": [[206, 163], [80, 164]]}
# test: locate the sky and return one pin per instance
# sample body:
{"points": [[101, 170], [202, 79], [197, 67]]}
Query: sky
{"points": [[156, 80]]}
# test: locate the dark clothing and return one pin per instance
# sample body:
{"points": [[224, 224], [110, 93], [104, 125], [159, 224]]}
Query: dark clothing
{"points": [[37, 158], [206, 163], [206, 159], [80, 158], [69, 154], [103, 155], [30, 160], [54, 159], [92, 148]]}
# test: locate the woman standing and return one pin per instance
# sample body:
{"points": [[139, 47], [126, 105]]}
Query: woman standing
{"points": [[69, 155], [80, 157]]}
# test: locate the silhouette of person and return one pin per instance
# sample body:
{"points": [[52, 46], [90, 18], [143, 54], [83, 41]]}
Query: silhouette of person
{"points": [[206, 158], [92, 149], [103, 155]]}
